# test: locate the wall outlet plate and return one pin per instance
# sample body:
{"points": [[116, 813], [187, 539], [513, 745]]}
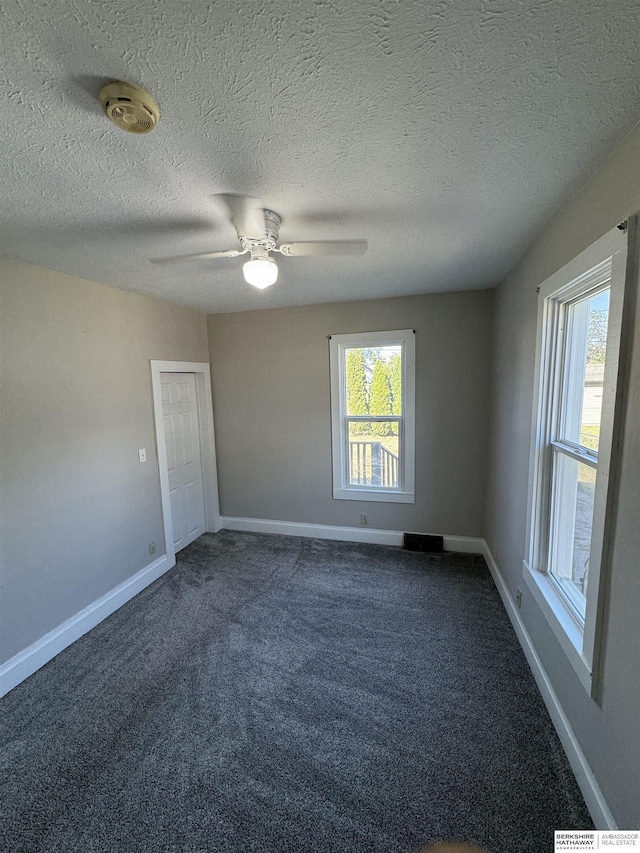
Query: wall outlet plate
{"points": [[152, 547], [518, 598]]}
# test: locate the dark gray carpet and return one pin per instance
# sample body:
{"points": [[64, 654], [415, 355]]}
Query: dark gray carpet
{"points": [[281, 694]]}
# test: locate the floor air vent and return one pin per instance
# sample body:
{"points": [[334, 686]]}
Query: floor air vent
{"points": [[422, 542]]}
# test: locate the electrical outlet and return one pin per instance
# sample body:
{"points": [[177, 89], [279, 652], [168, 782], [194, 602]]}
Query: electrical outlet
{"points": [[364, 519], [518, 598], [152, 547]]}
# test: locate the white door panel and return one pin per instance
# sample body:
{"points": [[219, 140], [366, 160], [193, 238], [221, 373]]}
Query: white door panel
{"points": [[186, 431], [170, 442], [174, 497], [184, 462]]}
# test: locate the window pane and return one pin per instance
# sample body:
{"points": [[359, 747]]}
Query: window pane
{"points": [[594, 372], [571, 524], [588, 320], [373, 380], [373, 453]]}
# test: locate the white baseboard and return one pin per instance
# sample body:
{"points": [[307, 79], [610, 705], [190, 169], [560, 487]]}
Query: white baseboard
{"points": [[29, 660], [371, 535], [593, 796]]}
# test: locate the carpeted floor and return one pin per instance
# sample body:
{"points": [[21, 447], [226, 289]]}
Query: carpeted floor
{"points": [[272, 693]]}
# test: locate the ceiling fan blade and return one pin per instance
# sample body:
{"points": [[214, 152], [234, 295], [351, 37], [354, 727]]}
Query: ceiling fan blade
{"points": [[323, 247], [247, 215], [226, 253]]}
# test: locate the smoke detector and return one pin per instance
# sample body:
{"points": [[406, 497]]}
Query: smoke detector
{"points": [[131, 108]]}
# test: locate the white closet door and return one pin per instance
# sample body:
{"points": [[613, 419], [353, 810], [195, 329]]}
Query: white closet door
{"points": [[182, 434]]}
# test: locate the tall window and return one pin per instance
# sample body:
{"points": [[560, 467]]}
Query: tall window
{"points": [[575, 442], [373, 420], [579, 322]]}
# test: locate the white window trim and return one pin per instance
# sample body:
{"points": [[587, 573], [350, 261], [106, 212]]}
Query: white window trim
{"points": [[606, 257], [342, 490]]}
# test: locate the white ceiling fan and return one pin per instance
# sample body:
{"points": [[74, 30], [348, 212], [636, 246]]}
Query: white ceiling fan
{"points": [[258, 230]]}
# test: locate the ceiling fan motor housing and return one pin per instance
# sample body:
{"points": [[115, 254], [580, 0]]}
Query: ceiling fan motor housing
{"points": [[129, 107], [272, 227], [269, 239]]}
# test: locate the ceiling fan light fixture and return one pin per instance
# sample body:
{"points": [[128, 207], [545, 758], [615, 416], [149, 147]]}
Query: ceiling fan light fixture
{"points": [[260, 272]]}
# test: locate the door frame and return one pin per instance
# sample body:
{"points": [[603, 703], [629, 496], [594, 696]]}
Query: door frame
{"points": [[202, 372]]}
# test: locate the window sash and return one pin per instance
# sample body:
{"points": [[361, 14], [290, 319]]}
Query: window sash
{"points": [[376, 418], [573, 318], [575, 601], [382, 486], [342, 487], [347, 419]]}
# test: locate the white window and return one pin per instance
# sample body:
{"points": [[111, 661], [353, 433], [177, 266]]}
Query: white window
{"points": [[578, 355], [373, 415]]}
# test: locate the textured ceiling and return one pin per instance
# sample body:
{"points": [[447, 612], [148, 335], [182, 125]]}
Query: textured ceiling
{"points": [[445, 133]]}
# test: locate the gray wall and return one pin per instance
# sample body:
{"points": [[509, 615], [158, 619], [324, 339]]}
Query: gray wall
{"points": [[608, 732], [270, 372], [78, 510]]}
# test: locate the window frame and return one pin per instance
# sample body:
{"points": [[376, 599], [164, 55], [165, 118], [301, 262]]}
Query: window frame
{"points": [[342, 489], [567, 398], [603, 264]]}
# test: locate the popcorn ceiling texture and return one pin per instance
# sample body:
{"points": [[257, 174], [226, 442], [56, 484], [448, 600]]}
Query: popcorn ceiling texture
{"points": [[446, 133]]}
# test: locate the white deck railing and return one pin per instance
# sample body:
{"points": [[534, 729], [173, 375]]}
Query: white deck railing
{"points": [[372, 464]]}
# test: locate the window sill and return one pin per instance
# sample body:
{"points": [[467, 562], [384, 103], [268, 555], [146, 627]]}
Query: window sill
{"points": [[373, 495], [566, 629]]}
